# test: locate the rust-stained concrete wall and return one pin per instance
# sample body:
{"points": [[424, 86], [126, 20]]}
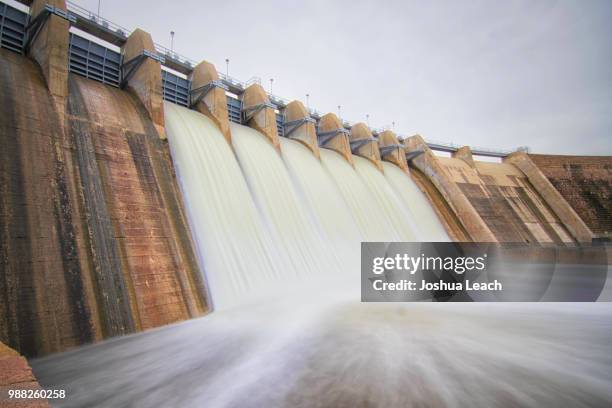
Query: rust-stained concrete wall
{"points": [[430, 165], [506, 201], [93, 240], [586, 184]]}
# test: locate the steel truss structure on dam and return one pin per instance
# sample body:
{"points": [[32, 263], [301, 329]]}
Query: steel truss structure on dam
{"points": [[96, 61]]}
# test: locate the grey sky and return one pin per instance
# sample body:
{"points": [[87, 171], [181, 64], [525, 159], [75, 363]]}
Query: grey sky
{"points": [[486, 73]]}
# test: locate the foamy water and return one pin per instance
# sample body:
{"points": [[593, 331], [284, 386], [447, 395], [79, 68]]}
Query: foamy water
{"points": [[301, 354]]}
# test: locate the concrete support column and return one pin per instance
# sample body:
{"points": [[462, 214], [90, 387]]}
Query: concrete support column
{"points": [[551, 196], [363, 144], [429, 165], [260, 115], [333, 136], [49, 45], [465, 153], [145, 80], [392, 150], [208, 98], [300, 126]]}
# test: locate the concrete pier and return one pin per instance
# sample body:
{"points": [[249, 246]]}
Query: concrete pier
{"points": [[465, 153], [430, 166], [49, 45], [142, 76], [392, 150], [259, 113], [364, 144], [332, 135], [299, 126], [209, 98]]}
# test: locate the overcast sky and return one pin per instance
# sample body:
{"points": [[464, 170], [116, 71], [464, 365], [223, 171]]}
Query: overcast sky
{"points": [[497, 74]]}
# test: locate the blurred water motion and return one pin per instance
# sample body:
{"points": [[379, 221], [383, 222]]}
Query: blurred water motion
{"points": [[305, 354]]}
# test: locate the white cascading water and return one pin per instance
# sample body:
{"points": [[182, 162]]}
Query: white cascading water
{"points": [[429, 227], [269, 220], [373, 224], [232, 242], [298, 232], [387, 201], [323, 198]]}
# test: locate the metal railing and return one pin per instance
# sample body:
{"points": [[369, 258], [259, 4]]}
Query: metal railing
{"points": [[170, 54], [238, 85], [79, 11]]}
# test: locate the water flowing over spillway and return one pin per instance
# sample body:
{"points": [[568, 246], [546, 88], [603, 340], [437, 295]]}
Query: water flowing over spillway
{"points": [[372, 223], [265, 220], [269, 226], [429, 227], [233, 244], [292, 221]]}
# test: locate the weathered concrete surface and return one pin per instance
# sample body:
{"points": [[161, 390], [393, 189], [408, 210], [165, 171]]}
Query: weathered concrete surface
{"points": [[398, 155], [465, 153], [149, 228], [361, 132], [445, 213], [497, 198], [93, 240], [16, 374], [565, 213], [214, 103], [50, 47], [585, 182], [507, 201], [431, 166], [262, 117], [340, 143], [44, 305], [146, 82], [305, 133]]}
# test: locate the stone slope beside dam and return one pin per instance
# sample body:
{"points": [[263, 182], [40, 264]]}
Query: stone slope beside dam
{"points": [[586, 184], [93, 236]]}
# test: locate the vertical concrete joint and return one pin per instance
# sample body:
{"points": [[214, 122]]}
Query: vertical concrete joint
{"points": [[392, 150], [364, 144], [338, 141], [300, 126], [566, 214], [145, 82], [256, 107], [209, 99], [430, 166], [50, 47]]}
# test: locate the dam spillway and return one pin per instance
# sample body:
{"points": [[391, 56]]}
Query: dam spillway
{"points": [[119, 219], [140, 190], [274, 218]]}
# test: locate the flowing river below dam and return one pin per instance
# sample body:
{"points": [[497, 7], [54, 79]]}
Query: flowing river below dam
{"points": [[346, 354]]}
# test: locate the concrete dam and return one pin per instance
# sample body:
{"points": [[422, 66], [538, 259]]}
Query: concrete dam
{"points": [[141, 191]]}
